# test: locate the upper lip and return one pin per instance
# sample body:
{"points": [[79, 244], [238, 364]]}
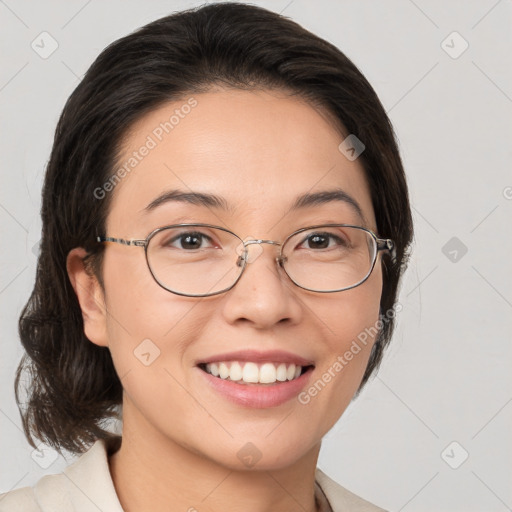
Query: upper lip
{"points": [[271, 356]]}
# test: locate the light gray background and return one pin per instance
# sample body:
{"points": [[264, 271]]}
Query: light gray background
{"points": [[447, 375]]}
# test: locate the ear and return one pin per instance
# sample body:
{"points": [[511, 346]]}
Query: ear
{"points": [[90, 296]]}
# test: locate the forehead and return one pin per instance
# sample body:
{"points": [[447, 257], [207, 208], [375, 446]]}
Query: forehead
{"points": [[258, 150]]}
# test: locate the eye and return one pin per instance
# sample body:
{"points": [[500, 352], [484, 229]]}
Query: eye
{"points": [[325, 240], [190, 240]]}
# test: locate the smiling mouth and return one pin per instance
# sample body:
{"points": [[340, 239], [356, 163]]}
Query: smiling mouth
{"points": [[246, 372]]}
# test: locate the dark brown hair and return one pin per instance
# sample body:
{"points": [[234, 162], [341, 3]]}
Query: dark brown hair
{"points": [[74, 389]]}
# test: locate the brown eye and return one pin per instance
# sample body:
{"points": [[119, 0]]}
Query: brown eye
{"points": [[189, 241], [324, 241]]}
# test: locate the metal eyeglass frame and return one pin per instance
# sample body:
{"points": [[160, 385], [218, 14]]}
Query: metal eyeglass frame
{"points": [[381, 244]]}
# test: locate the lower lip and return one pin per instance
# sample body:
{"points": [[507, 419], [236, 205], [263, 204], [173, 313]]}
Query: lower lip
{"points": [[258, 396]]}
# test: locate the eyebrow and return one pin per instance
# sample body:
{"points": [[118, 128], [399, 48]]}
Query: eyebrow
{"points": [[217, 202]]}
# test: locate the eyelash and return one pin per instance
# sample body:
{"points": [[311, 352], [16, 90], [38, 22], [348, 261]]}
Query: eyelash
{"points": [[203, 236]]}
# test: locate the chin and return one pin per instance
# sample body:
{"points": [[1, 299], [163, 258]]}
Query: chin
{"points": [[264, 454]]}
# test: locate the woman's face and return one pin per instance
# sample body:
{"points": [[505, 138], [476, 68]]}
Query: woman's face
{"points": [[258, 151]]}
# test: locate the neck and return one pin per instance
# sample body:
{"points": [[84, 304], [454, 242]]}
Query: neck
{"points": [[153, 473]]}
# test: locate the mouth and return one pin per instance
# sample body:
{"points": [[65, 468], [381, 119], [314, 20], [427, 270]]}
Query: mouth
{"points": [[252, 372], [255, 379]]}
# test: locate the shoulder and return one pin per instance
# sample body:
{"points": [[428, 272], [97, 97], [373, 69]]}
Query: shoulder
{"points": [[342, 499], [19, 500], [47, 494], [85, 484]]}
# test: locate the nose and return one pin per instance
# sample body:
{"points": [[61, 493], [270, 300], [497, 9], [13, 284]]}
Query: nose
{"points": [[263, 296]]}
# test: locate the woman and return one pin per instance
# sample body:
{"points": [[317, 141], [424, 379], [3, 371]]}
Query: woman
{"points": [[225, 225]]}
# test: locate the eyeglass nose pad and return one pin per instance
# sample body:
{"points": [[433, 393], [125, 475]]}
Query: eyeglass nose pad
{"points": [[243, 250], [280, 260]]}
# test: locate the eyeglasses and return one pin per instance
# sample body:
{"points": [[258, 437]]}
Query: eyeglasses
{"points": [[199, 260]]}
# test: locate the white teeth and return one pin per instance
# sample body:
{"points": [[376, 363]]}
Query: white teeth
{"points": [[235, 372], [214, 369], [223, 371], [250, 372], [281, 372], [266, 373]]}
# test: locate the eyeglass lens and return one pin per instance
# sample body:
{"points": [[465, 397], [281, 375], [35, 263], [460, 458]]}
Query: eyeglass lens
{"points": [[199, 260]]}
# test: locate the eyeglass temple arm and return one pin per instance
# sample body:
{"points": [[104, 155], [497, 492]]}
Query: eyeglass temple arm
{"points": [[382, 244], [139, 243], [389, 245]]}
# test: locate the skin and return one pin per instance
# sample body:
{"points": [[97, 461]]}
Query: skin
{"points": [[259, 150]]}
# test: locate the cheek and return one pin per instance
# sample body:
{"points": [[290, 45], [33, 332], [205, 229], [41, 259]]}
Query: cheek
{"points": [[149, 331], [350, 330], [353, 313], [142, 317]]}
